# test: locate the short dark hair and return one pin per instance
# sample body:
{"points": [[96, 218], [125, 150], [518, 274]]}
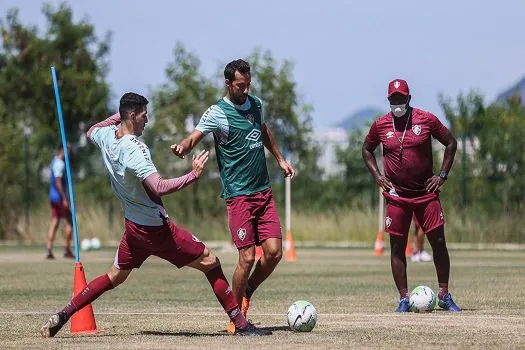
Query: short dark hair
{"points": [[239, 65], [131, 102]]}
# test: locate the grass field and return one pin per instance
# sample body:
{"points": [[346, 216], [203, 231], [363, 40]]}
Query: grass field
{"points": [[336, 224], [160, 307]]}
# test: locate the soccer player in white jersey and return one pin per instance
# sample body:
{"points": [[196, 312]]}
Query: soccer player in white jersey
{"points": [[148, 229]]}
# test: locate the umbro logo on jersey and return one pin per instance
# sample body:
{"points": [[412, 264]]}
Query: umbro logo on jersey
{"points": [[254, 135]]}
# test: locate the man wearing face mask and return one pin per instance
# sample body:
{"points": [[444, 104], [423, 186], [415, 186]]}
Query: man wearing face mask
{"points": [[241, 134], [409, 184]]}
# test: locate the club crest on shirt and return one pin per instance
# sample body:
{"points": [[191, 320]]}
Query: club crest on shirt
{"points": [[241, 233], [416, 129], [388, 221], [389, 134], [249, 117]]}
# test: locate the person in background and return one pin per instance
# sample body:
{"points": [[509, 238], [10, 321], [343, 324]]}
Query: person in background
{"points": [[59, 203]]}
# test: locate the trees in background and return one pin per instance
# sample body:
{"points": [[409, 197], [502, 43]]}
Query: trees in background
{"points": [[179, 104], [489, 173], [488, 176], [27, 101]]}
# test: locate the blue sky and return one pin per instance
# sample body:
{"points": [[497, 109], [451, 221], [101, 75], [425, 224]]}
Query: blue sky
{"points": [[345, 52]]}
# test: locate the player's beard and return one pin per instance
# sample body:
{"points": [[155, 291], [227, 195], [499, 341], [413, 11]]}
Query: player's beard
{"points": [[236, 99], [139, 129], [242, 99], [239, 100]]}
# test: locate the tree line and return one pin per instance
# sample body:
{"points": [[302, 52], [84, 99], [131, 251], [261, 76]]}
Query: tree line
{"points": [[488, 176]]}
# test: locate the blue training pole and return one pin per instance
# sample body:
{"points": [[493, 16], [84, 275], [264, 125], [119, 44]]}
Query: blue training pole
{"points": [[68, 169]]}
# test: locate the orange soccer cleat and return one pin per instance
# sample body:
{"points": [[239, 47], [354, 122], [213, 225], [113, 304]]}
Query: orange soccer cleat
{"points": [[231, 327], [245, 306]]}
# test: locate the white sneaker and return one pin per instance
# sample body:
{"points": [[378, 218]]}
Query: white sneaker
{"points": [[416, 257], [424, 256]]}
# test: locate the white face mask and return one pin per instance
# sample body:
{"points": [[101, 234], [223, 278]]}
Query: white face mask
{"points": [[398, 110]]}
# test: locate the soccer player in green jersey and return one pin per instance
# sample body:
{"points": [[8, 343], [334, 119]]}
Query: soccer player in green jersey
{"points": [[240, 133]]}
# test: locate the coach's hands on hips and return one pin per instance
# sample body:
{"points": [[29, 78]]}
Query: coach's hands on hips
{"points": [[384, 183], [434, 183], [287, 168], [199, 161]]}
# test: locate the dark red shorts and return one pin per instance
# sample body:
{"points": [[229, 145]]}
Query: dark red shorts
{"points": [[253, 218], [168, 242], [426, 210], [59, 211]]}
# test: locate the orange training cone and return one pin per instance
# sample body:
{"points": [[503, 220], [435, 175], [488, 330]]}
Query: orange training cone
{"points": [[258, 252], [408, 250], [379, 247], [289, 254], [83, 321]]}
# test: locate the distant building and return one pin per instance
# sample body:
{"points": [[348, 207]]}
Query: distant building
{"points": [[329, 140]]}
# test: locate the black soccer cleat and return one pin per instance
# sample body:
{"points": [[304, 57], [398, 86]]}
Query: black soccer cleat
{"points": [[53, 325], [251, 331], [68, 254]]}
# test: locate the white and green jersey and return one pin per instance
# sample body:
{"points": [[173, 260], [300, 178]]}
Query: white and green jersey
{"points": [[238, 144]]}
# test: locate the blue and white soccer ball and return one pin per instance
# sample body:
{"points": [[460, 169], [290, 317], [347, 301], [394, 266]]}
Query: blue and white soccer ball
{"points": [[422, 299], [302, 316]]}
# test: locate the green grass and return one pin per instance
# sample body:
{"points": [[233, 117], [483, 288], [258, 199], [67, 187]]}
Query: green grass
{"points": [[352, 290]]}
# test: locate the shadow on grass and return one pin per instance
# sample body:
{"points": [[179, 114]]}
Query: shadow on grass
{"points": [[272, 328], [452, 313], [183, 334], [222, 333], [277, 328]]}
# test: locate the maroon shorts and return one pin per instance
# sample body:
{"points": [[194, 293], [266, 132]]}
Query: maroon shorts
{"points": [[426, 210], [168, 242], [58, 211], [253, 218]]}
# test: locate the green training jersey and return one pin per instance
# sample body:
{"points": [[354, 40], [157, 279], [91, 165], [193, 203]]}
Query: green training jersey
{"points": [[238, 144]]}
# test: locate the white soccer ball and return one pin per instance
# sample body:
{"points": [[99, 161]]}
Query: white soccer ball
{"points": [[302, 316], [95, 243], [85, 245], [422, 299]]}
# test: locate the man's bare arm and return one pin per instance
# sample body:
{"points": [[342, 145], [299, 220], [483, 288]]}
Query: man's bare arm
{"points": [[269, 143], [60, 188], [371, 163], [186, 145]]}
